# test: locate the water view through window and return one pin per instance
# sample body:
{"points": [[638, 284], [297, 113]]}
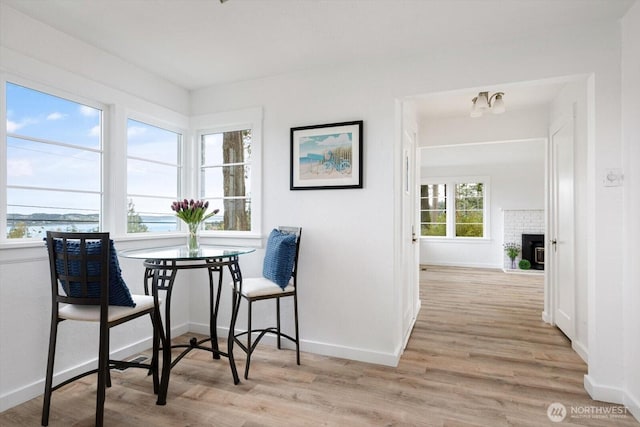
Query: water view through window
{"points": [[153, 177], [54, 160]]}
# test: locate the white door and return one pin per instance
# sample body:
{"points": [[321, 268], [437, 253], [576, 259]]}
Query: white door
{"points": [[410, 240], [562, 227]]}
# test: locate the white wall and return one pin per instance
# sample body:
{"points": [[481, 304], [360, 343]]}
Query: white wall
{"points": [[346, 256], [631, 153], [514, 183], [348, 281], [512, 125]]}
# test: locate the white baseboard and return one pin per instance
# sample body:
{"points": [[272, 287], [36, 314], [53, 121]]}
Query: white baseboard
{"points": [[462, 264], [613, 395], [602, 392], [520, 271], [546, 317], [333, 350], [633, 404], [20, 395], [407, 333], [582, 351]]}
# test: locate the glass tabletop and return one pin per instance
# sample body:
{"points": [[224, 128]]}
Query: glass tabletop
{"points": [[181, 252]]}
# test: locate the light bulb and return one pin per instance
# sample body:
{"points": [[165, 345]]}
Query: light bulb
{"points": [[498, 104]]}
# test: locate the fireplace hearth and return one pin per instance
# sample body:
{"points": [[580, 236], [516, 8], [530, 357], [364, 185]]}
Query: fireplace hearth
{"points": [[533, 250]]}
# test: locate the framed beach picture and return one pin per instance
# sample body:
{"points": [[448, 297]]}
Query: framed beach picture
{"points": [[326, 156]]}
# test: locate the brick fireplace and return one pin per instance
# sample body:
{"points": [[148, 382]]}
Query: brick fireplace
{"points": [[518, 222]]}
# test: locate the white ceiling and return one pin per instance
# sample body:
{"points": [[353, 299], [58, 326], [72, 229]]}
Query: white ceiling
{"points": [[198, 43]]}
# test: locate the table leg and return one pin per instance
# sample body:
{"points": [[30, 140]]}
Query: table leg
{"points": [[158, 333], [234, 268], [214, 303], [166, 345]]}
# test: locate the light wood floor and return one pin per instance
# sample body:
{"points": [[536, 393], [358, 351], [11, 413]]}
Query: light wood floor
{"points": [[479, 356]]}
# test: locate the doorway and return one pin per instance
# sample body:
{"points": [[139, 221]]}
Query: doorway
{"points": [[450, 130]]}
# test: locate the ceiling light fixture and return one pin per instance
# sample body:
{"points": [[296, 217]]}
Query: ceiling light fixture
{"points": [[484, 103]]}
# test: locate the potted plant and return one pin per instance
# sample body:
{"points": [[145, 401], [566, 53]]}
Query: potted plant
{"points": [[512, 250]]}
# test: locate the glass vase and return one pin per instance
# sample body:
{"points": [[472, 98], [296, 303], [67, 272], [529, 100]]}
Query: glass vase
{"points": [[513, 263], [193, 238]]}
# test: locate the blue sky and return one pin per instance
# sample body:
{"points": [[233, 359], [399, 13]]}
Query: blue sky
{"points": [[318, 143], [31, 163], [70, 166]]}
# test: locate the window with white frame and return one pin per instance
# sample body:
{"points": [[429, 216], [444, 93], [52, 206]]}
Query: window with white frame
{"points": [[154, 168], [53, 163], [225, 177], [229, 153], [53, 153], [454, 209]]}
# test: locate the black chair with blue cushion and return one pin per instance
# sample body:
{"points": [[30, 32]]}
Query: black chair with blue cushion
{"points": [[86, 285], [280, 280]]}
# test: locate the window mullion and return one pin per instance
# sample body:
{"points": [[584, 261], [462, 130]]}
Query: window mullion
{"points": [[3, 157], [451, 209]]}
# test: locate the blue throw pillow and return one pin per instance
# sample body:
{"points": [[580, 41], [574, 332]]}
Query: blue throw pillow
{"points": [[118, 291], [279, 257]]}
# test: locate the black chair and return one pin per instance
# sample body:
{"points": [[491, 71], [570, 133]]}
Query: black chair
{"points": [[261, 288], [80, 264]]}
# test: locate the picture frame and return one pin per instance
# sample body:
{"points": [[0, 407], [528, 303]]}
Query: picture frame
{"points": [[327, 156]]}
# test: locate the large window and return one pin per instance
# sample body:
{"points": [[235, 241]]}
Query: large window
{"points": [[54, 164], [153, 177], [461, 214], [225, 178], [63, 169]]}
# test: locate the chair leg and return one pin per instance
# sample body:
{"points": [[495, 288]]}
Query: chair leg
{"points": [[103, 369], [53, 335], [154, 356], [295, 310], [278, 320], [249, 350], [108, 373]]}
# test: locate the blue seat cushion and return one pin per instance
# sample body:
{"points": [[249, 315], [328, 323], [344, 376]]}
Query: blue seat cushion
{"points": [[118, 291], [279, 257]]}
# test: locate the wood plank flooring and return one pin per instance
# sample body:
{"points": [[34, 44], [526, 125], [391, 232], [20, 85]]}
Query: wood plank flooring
{"points": [[479, 355]]}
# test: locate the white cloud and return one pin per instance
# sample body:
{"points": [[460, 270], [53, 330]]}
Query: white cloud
{"points": [[133, 131], [12, 126], [15, 126], [56, 116], [19, 167], [88, 111], [340, 139], [95, 131]]}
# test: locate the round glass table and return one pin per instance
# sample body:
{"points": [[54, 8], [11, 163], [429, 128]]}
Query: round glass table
{"points": [[161, 267]]}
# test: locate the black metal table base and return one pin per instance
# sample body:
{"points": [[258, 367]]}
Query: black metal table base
{"points": [[161, 274]]}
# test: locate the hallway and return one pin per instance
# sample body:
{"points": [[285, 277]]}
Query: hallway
{"points": [[489, 357]]}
